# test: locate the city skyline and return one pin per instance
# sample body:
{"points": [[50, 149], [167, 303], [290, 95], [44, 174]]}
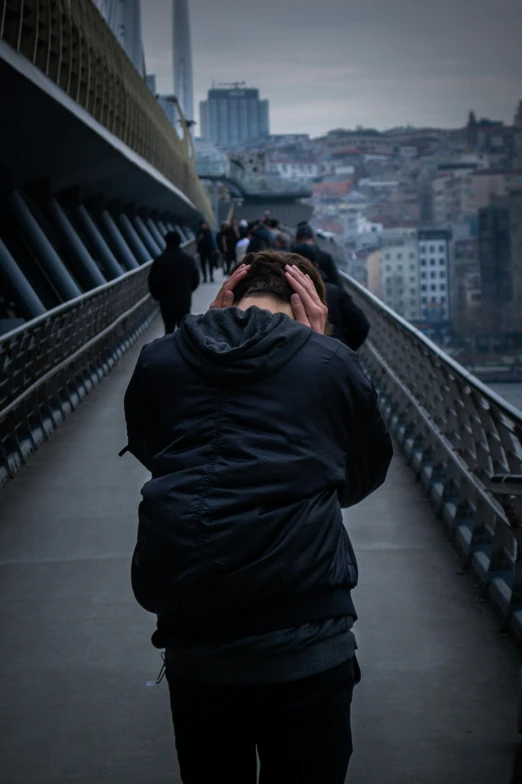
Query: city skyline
{"points": [[394, 63]]}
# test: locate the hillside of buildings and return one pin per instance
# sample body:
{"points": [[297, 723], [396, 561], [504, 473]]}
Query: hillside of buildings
{"points": [[430, 218]]}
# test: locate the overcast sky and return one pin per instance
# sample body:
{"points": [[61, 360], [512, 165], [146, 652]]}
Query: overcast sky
{"points": [[341, 63]]}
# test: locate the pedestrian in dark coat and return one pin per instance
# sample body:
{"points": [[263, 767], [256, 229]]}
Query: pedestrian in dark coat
{"points": [[173, 277], [262, 238], [257, 429], [305, 235], [347, 321], [233, 236], [207, 249]]}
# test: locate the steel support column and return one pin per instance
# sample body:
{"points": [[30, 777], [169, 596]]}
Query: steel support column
{"points": [[156, 233], [114, 233], [134, 239], [107, 257], [161, 226], [56, 269], [184, 237], [29, 303], [145, 234], [87, 270]]}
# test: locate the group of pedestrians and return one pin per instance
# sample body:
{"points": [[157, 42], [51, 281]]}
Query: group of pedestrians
{"points": [[174, 275], [235, 239]]}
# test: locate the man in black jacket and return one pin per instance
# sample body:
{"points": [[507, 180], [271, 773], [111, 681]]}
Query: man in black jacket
{"points": [[208, 250], [305, 236], [173, 278], [347, 321], [257, 429], [262, 238]]}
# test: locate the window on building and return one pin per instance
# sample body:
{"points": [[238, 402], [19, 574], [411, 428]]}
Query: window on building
{"points": [[424, 300], [434, 299], [412, 255], [388, 268], [433, 274], [424, 275], [443, 300], [433, 287], [442, 287], [432, 262], [432, 248], [442, 249], [399, 267], [423, 262], [442, 262], [412, 278], [387, 256], [424, 287], [442, 274], [399, 255], [412, 267]]}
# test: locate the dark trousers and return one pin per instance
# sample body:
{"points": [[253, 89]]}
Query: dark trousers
{"points": [[301, 729], [229, 263], [171, 318], [207, 262]]}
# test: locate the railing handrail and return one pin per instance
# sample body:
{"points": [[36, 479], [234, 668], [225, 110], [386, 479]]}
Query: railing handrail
{"points": [[461, 371], [77, 300]]}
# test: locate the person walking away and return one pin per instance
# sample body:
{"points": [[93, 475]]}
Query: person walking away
{"points": [[278, 232], [262, 239], [233, 236], [305, 235], [283, 242], [347, 320], [245, 235], [222, 244], [257, 429], [207, 249], [173, 277]]}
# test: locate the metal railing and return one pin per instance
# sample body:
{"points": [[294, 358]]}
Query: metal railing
{"points": [[456, 433], [51, 363], [71, 43]]}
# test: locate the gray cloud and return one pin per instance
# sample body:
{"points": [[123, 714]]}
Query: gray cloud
{"points": [[332, 63]]}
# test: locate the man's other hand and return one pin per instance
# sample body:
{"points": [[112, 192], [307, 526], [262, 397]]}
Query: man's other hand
{"points": [[225, 296], [306, 304]]}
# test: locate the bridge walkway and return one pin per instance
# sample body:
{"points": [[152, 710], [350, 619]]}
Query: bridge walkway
{"points": [[437, 701]]}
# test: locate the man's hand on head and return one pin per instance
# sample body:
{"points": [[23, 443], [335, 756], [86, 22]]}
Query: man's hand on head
{"points": [[306, 303], [225, 296]]}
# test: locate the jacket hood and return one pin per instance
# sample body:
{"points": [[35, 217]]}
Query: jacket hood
{"points": [[231, 346]]}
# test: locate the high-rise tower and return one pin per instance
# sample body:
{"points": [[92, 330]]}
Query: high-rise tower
{"points": [[124, 19], [183, 86]]}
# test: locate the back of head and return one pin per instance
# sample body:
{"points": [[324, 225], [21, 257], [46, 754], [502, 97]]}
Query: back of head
{"points": [[304, 233], [308, 252], [173, 239], [266, 276], [274, 223]]}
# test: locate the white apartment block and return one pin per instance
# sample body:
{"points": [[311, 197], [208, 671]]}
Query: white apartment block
{"points": [[433, 249], [400, 277]]}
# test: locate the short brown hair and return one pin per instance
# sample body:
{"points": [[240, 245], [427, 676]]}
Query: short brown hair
{"points": [[267, 276]]}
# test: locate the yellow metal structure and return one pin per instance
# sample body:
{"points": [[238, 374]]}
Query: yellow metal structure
{"points": [[70, 42]]}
